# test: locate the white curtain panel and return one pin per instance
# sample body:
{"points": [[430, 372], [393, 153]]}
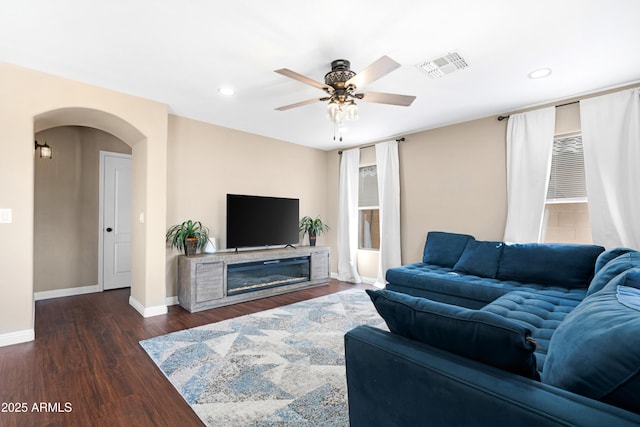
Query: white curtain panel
{"points": [[611, 143], [389, 204], [348, 216], [529, 150]]}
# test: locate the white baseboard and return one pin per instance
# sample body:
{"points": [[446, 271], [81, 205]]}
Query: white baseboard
{"points": [[147, 311], [68, 292], [366, 280], [171, 301], [17, 337]]}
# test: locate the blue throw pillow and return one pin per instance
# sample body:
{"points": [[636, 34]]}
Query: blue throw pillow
{"points": [[609, 255], [595, 351], [444, 249], [612, 268], [478, 335], [566, 265], [480, 259]]}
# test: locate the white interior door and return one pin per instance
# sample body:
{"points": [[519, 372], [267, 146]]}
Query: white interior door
{"points": [[116, 223]]}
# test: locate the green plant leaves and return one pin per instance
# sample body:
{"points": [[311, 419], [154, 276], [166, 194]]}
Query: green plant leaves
{"points": [[177, 234], [312, 226]]}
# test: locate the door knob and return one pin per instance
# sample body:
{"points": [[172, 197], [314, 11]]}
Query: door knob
{"points": [[109, 229]]}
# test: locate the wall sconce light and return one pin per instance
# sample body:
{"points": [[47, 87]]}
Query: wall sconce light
{"points": [[45, 150]]}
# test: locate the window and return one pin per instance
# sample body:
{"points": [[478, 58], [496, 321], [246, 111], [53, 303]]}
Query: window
{"points": [[369, 213], [567, 182], [566, 215]]}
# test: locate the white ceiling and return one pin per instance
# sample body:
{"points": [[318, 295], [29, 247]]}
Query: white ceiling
{"points": [[181, 52]]}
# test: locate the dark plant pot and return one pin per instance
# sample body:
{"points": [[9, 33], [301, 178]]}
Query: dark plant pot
{"points": [[190, 246], [312, 239]]}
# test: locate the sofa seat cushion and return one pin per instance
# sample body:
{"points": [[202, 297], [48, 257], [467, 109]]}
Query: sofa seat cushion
{"points": [[475, 334], [565, 265], [537, 311], [443, 282], [595, 352]]}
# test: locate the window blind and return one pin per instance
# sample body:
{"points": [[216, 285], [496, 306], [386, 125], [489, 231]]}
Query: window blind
{"points": [[567, 180]]}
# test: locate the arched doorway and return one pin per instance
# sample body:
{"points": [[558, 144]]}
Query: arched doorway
{"points": [[130, 135], [33, 101], [69, 237]]}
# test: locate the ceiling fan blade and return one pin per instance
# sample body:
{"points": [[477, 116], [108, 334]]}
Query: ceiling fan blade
{"points": [[388, 98], [298, 104], [304, 79], [373, 72]]}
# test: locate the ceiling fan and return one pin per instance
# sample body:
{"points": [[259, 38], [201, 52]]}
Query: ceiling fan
{"points": [[341, 85]]}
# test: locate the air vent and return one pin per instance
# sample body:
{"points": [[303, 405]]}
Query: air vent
{"points": [[446, 64]]}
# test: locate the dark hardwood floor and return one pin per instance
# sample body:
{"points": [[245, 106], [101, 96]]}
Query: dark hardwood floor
{"points": [[86, 368]]}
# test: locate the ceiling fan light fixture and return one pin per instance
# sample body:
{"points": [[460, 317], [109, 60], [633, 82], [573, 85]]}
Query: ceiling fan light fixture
{"points": [[340, 73], [334, 112], [351, 112], [338, 111], [340, 86]]}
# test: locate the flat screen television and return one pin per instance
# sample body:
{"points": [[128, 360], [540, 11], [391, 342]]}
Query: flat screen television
{"points": [[254, 221]]}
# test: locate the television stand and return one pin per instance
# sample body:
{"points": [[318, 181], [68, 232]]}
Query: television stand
{"points": [[224, 278]]}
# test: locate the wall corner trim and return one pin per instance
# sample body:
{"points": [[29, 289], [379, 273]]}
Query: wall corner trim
{"points": [[17, 337], [147, 311]]}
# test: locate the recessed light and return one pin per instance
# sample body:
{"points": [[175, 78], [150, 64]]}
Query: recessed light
{"points": [[226, 91], [540, 74]]}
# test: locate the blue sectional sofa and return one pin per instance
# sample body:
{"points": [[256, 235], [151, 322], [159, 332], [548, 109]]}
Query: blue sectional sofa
{"points": [[494, 334]]}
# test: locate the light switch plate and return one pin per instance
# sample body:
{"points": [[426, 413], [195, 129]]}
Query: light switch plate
{"points": [[5, 216]]}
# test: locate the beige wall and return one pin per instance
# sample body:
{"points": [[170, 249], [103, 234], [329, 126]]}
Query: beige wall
{"points": [[568, 119], [205, 162], [31, 101], [66, 206], [451, 179]]}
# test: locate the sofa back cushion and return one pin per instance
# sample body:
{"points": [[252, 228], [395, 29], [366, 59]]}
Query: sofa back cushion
{"points": [[444, 249], [612, 268], [595, 351], [610, 255], [566, 265], [478, 335], [480, 258]]}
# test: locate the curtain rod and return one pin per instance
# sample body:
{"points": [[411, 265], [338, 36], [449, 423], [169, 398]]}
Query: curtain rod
{"points": [[501, 118], [373, 145]]}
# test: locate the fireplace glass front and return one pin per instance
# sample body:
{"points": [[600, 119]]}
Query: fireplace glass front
{"points": [[258, 275]]}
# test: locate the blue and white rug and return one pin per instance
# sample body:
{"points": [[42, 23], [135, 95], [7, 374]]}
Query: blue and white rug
{"points": [[280, 367]]}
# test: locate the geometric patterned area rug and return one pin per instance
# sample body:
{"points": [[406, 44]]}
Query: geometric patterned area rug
{"points": [[280, 367]]}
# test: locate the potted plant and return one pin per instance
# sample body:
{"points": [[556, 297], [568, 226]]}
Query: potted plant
{"points": [[313, 227], [188, 236]]}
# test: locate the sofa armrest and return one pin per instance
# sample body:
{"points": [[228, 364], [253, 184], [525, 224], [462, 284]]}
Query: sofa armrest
{"points": [[394, 381]]}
